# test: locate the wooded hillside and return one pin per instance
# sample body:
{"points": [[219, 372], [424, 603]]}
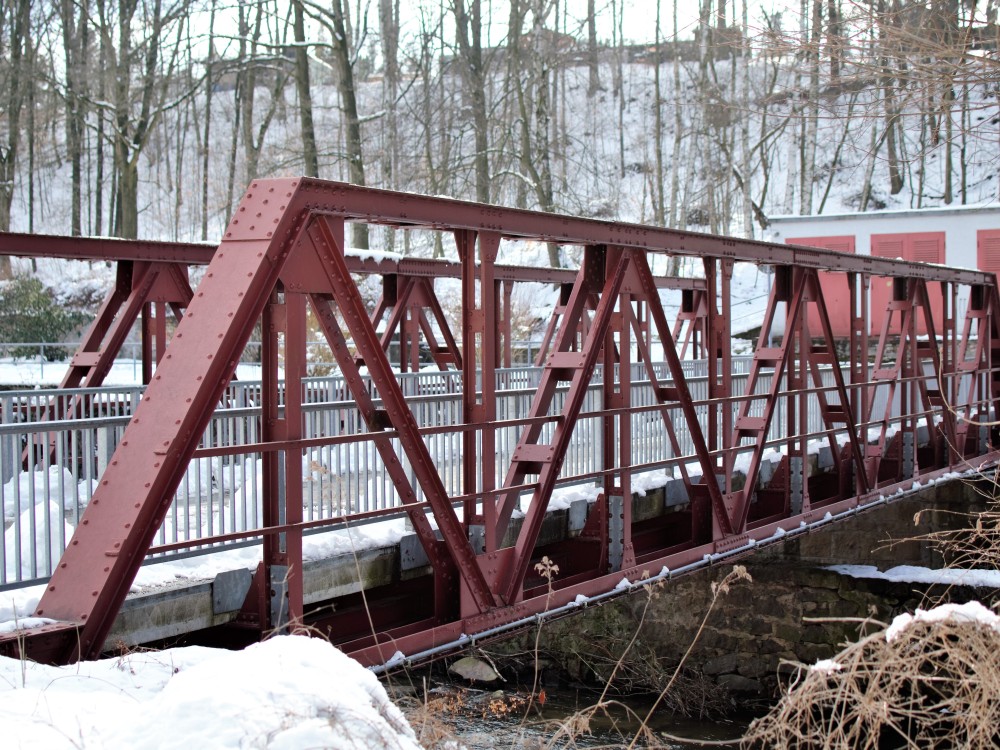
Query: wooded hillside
{"points": [[148, 117]]}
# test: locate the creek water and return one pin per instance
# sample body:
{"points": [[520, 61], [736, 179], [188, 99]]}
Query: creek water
{"points": [[485, 720]]}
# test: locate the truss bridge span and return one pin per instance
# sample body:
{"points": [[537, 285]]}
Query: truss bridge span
{"points": [[635, 375]]}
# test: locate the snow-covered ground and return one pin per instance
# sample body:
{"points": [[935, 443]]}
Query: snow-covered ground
{"points": [[287, 693]]}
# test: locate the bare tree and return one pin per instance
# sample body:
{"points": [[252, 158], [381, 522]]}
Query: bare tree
{"points": [[74, 17], [469, 36], [143, 61], [210, 82], [310, 155], [15, 15], [342, 48], [593, 56]]}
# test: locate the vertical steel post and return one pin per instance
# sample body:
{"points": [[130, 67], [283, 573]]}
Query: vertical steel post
{"points": [[479, 360]]}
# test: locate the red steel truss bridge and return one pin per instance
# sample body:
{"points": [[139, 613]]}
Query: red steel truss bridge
{"points": [[906, 398]]}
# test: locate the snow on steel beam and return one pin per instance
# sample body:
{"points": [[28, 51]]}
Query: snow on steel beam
{"points": [[376, 206], [404, 210], [195, 254], [103, 248]]}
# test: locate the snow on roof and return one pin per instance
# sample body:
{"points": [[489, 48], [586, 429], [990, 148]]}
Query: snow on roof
{"points": [[985, 207]]}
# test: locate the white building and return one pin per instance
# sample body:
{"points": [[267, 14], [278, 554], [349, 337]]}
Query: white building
{"points": [[967, 236]]}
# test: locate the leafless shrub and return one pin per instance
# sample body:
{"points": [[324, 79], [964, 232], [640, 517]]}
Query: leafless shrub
{"points": [[647, 672], [932, 685], [977, 545]]}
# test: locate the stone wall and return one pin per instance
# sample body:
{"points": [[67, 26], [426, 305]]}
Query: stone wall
{"points": [[795, 610]]}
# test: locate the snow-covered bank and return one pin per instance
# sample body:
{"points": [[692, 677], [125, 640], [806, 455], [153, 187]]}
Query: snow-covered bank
{"points": [[289, 692], [975, 577]]}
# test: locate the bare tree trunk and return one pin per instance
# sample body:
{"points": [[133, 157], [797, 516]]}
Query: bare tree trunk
{"points": [[675, 156], [310, 157], [888, 86], [102, 93], [17, 18], [75, 50], [744, 125], [389, 26], [834, 42], [593, 59], [533, 104], [31, 54], [966, 127], [468, 33], [949, 166], [134, 128], [621, 83], [811, 122], [239, 92], [205, 146], [658, 199], [349, 102]]}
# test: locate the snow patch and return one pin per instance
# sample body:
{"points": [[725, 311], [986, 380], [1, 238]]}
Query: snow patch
{"points": [[975, 577], [970, 612], [287, 692], [826, 667]]}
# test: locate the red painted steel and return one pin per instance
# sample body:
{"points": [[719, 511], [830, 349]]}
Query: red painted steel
{"points": [[283, 255], [835, 287]]}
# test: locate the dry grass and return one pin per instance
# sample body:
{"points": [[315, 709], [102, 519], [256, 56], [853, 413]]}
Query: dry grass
{"points": [[934, 685]]}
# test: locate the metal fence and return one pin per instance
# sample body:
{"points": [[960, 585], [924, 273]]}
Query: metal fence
{"points": [[50, 468]]}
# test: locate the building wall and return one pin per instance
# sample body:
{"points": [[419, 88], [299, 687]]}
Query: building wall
{"points": [[971, 239], [960, 226]]}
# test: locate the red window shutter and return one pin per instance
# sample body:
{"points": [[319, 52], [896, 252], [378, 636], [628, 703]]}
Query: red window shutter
{"points": [[988, 250], [922, 247]]}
